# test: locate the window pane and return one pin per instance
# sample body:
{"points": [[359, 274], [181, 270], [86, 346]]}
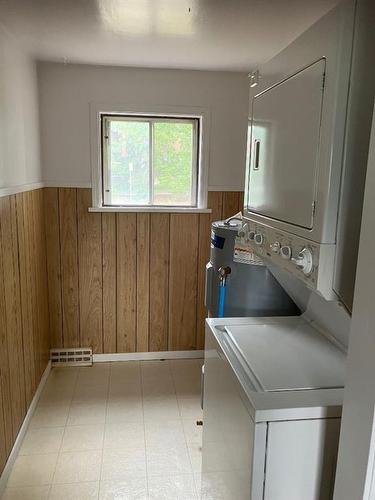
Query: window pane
{"points": [[129, 162], [173, 163]]}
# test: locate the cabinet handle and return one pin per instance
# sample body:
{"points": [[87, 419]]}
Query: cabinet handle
{"points": [[256, 154]]}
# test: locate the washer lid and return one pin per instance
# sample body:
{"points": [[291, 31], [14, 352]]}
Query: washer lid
{"points": [[290, 355]]}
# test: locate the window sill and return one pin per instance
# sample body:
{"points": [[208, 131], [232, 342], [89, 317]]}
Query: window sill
{"points": [[169, 210]]}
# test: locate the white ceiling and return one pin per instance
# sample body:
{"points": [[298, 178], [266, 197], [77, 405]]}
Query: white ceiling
{"points": [[198, 34]]}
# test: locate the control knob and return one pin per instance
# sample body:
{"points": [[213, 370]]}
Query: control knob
{"points": [[243, 231], [286, 252], [251, 235], [275, 247], [304, 260], [258, 238]]}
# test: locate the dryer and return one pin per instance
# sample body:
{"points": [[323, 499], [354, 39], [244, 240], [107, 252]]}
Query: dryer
{"points": [[305, 162]]}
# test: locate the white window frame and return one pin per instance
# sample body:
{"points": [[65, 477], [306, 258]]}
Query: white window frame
{"points": [[150, 120], [98, 110]]}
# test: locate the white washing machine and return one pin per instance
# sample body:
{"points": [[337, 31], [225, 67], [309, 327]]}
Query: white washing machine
{"points": [[273, 391]]}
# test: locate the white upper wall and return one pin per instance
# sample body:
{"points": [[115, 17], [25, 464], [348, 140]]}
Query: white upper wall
{"points": [[67, 92], [19, 123]]}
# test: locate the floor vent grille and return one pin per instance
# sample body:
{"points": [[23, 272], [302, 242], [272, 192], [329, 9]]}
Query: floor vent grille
{"points": [[72, 357]]}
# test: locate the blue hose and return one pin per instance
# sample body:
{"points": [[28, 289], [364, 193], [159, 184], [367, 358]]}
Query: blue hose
{"points": [[222, 292]]}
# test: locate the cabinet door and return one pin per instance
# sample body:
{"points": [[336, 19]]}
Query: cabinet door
{"points": [[284, 147], [301, 459], [229, 433]]}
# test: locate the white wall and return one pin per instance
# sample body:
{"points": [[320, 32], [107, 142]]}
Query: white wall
{"points": [[330, 315], [66, 92], [356, 461], [19, 124]]}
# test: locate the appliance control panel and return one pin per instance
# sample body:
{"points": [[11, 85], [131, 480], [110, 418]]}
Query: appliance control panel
{"points": [[311, 262]]}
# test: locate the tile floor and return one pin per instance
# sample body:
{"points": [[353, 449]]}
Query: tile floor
{"points": [[124, 431]]}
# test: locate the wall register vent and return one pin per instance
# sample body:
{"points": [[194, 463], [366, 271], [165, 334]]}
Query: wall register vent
{"points": [[72, 357]]}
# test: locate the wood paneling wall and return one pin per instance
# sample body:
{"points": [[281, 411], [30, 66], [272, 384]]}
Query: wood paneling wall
{"points": [[24, 320], [120, 282], [127, 282]]}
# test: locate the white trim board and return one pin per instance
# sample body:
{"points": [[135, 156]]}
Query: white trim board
{"points": [[226, 188], [147, 356], [67, 184], [21, 188], [97, 109], [168, 210], [21, 434]]}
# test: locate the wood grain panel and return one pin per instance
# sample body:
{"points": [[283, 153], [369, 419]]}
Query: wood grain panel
{"points": [[153, 273], [24, 322], [69, 266], [44, 283], [126, 281], [4, 369], [204, 237], [16, 304], [230, 203], [143, 281], [12, 324], [109, 282], [215, 202], [159, 280], [182, 315], [30, 248], [23, 221], [90, 273], [52, 226], [35, 289], [240, 201], [41, 282], [3, 450]]}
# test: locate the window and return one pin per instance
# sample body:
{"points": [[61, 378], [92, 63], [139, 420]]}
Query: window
{"points": [[150, 161]]}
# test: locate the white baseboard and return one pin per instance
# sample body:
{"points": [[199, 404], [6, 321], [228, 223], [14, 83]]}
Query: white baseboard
{"points": [[147, 356], [21, 434]]}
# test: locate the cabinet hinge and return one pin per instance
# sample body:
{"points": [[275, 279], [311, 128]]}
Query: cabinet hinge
{"points": [[313, 208], [323, 80]]}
